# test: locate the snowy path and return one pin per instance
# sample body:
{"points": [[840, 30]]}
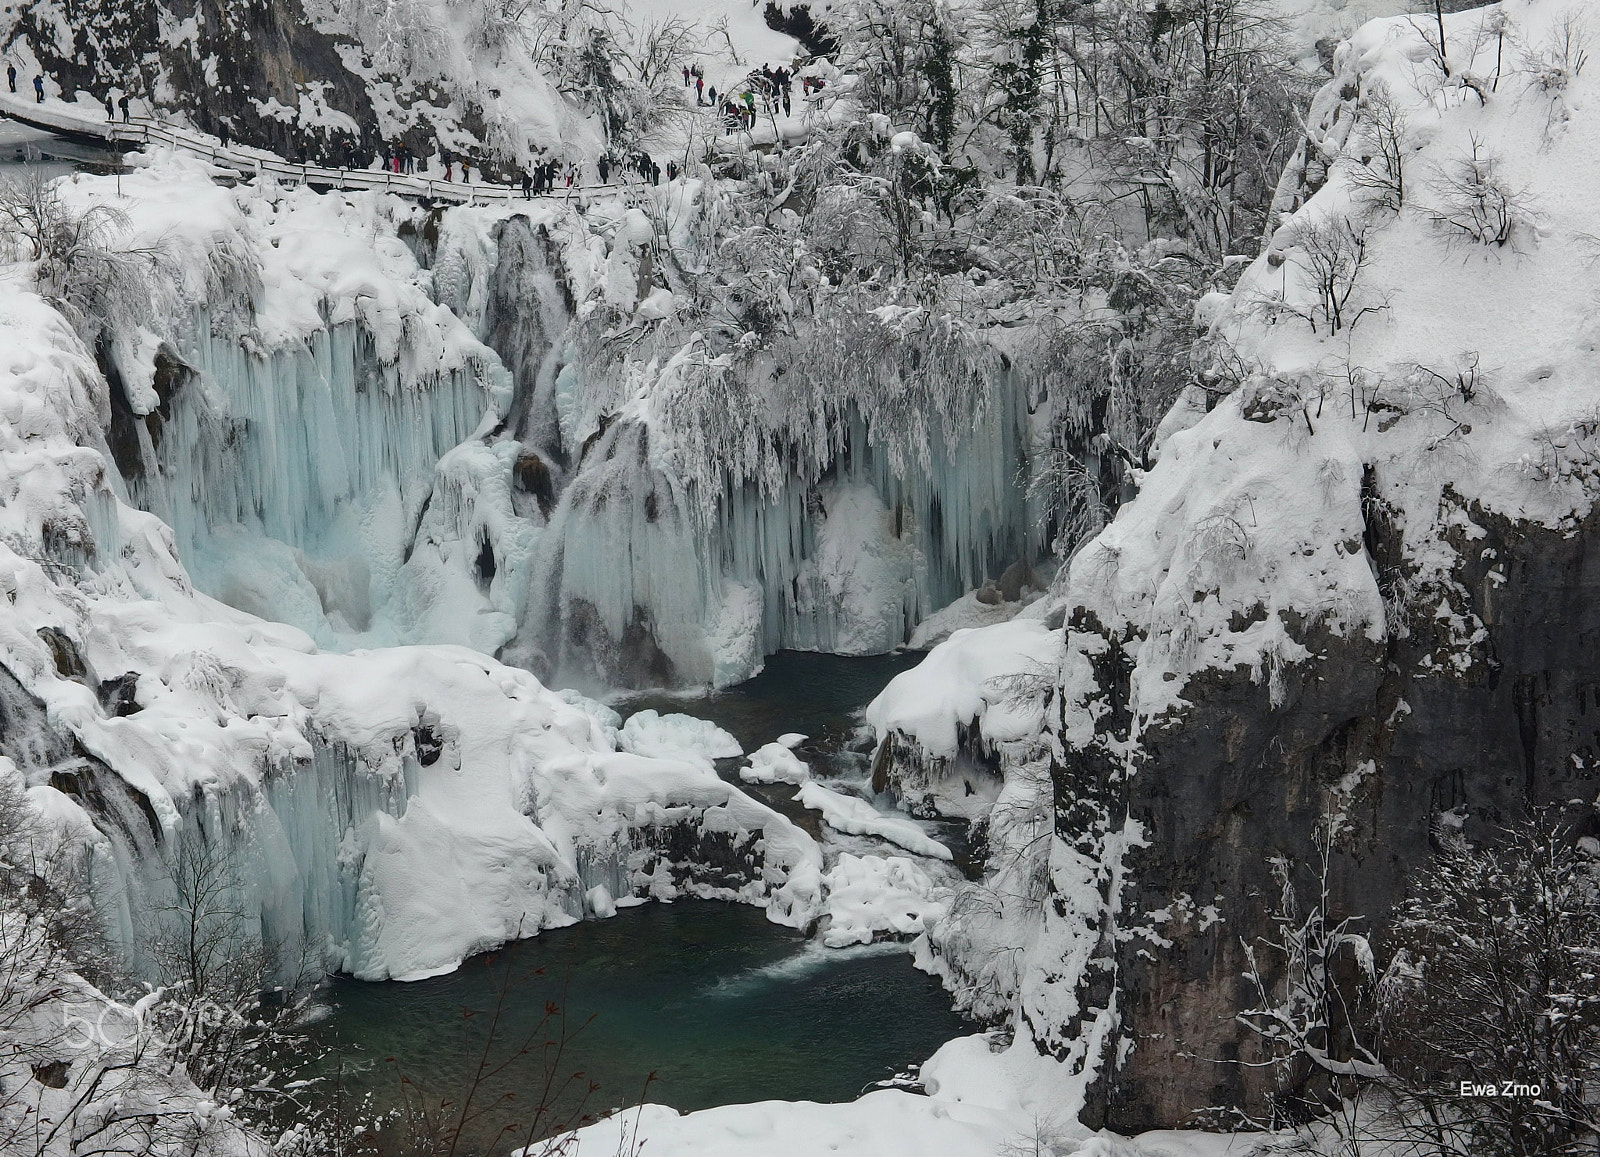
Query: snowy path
{"points": [[68, 120]]}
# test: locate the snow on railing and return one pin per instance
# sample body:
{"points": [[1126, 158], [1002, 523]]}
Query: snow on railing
{"points": [[141, 130]]}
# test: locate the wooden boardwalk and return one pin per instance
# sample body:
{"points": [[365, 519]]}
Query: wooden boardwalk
{"points": [[139, 131]]}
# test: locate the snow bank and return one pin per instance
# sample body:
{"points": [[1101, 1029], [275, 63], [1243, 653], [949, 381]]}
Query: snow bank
{"points": [[874, 896], [971, 679], [775, 763], [683, 737], [857, 817], [887, 1123]]}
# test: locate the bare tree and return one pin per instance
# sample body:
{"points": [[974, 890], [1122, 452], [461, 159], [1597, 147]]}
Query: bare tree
{"points": [[1331, 249], [233, 1004], [1380, 171], [81, 264]]}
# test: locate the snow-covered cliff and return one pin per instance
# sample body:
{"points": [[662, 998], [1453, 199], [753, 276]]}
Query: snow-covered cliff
{"points": [[400, 808], [1353, 590]]}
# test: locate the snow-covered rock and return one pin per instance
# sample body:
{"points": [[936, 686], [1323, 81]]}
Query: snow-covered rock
{"points": [[1345, 589], [857, 817], [872, 896], [775, 763], [697, 741]]}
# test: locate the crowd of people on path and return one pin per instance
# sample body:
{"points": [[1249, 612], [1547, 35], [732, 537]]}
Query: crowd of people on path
{"points": [[771, 87]]}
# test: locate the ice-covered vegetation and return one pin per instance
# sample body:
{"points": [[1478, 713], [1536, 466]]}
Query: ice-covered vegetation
{"points": [[1070, 289], [1371, 405]]}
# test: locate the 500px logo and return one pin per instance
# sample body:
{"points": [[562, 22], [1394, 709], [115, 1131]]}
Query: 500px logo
{"points": [[1503, 1089], [96, 1023]]}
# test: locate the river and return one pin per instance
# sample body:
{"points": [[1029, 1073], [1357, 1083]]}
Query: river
{"points": [[720, 1004]]}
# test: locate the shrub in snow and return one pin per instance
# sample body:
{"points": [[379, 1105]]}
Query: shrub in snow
{"points": [[1379, 172], [80, 265], [1474, 201], [1481, 1035], [1494, 986], [1329, 249]]}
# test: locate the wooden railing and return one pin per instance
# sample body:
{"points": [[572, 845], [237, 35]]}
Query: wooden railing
{"points": [[141, 131]]}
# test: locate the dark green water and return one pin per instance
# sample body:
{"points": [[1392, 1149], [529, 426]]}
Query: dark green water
{"points": [[819, 696], [720, 1004]]}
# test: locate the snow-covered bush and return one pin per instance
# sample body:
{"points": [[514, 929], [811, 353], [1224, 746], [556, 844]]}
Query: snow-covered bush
{"points": [[1479, 1035], [1475, 201], [1494, 986], [80, 265]]}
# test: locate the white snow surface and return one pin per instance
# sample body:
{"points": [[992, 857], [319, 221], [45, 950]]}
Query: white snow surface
{"points": [[969, 679], [775, 763], [979, 1104], [696, 741], [857, 817], [874, 896]]}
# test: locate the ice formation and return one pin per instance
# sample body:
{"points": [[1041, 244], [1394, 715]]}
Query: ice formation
{"points": [[394, 809], [369, 422], [315, 439]]}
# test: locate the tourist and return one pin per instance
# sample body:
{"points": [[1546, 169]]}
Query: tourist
{"points": [[122, 103], [604, 166], [38, 88], [466, 171], [699, 90], [223, 133], [686, 76], [11, 76], [711, 96], [527, 185], [111, 114]]}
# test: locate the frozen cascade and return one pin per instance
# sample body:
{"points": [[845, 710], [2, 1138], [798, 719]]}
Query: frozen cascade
{"points": [[635, 589], [288, 854], [292, 481], [530, 306]]}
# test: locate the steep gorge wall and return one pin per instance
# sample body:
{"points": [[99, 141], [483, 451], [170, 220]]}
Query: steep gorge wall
{"points": [[1359, 589], [1402, 740], [220, 63]]}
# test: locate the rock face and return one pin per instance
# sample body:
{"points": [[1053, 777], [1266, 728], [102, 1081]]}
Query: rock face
{"points": [[1399, 740], [246, 67]]}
